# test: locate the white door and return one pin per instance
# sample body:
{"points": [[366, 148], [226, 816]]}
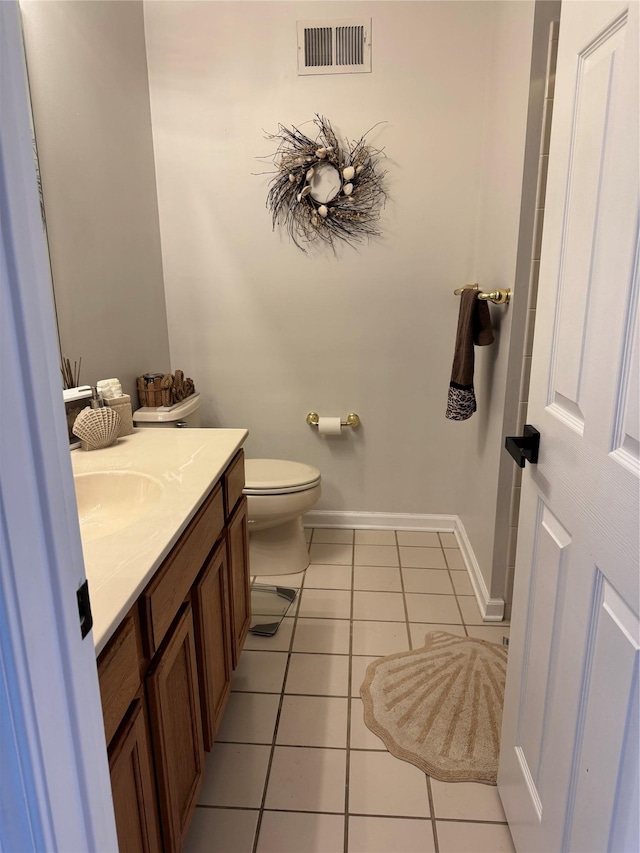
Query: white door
{"points": [[569, 756]]}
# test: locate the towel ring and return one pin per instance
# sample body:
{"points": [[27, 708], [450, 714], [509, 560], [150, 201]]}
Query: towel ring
{"points": [[498, 297]]}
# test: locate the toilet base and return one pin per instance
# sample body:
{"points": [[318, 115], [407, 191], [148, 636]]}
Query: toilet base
{"points": [[279, 550]]}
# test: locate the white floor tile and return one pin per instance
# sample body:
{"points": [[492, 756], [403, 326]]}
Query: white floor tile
{"points": [[313, 721], [418, 538], [332, 535], [388, 798], [466, 801], [383, 606], [301, 832], [222, 831], [249, 718], [326, 603], [375, 537], [234, 775], [457, 837], [461, 583], [379, 638], [419, 630], [385, 834], [318, 675], [328, 636], [433, 608], [359, 666], [427, 580], [334, 554], [422, 558], [361, 737], [379, 578], [260, 672], [306, 779], [454, 558], [280, 642], [322, 576], [470, 610], [376, 555], [492, 633], [380, 784]]}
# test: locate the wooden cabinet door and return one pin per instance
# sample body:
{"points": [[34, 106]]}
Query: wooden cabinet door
{"points": [[133, 786], [176, 728], [212, 622], [238, 556]]}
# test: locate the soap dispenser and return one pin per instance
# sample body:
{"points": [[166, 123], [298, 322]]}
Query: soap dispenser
{"points": [[96, 401]]}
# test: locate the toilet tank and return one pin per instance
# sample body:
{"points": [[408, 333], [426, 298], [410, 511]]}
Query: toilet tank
{"points": [[183, 414]]}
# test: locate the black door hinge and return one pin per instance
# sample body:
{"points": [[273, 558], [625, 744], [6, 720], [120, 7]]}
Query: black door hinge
{"points": [[84, 609]]}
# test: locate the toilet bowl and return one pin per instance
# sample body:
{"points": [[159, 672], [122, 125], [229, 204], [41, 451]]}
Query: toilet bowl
{"points": [[279, 492]]}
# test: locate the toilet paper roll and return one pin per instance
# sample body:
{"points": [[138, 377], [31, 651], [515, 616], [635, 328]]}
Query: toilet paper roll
{"points": [[329, 426]]}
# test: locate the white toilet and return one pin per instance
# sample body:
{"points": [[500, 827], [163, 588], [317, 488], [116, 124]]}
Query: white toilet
{"points": [[278, 493]]}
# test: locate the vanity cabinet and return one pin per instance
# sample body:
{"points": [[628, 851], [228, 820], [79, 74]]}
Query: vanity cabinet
{"points": [[238, 556], [127, 733], [165, 675], [176, 729], [133, 784], [214, 640]]}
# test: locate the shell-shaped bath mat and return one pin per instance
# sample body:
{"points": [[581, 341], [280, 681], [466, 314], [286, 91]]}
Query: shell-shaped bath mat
{"points": [[440, 707], [97, 428]]}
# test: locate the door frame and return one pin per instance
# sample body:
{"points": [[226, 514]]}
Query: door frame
{"points": [[55, 789]]}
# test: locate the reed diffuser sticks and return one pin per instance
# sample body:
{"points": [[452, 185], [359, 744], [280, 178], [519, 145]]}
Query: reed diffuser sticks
{"points": [[70, 378]]}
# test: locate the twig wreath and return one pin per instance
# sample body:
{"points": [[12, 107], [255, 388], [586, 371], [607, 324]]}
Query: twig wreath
{"points": [[325, 191]]}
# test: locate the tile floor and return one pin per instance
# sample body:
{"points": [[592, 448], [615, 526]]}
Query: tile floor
{"points": [[294, 768]]}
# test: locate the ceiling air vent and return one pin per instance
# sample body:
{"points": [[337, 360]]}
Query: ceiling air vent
{"points": [[334, 47]]}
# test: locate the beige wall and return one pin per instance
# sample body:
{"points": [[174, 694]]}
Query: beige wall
{"points": [[89, 90], [271, 333]]}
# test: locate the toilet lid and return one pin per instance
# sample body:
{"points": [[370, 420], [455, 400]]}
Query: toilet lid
{"points": [[278, 476]]}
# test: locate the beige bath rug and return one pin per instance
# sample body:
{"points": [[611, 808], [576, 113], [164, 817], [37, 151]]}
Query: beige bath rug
{"points": [[440, 707]]}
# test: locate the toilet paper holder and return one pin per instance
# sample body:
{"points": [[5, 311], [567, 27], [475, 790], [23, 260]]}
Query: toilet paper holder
{"points": [[352, 419]]}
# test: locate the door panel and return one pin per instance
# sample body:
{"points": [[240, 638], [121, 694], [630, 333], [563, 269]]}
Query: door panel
{"points": [[572, 679]]}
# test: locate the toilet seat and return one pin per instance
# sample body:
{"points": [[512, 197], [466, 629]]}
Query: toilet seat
{"points": [[278, 477]]}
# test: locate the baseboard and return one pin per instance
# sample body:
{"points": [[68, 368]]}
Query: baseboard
{"points": [[380, 521], [492, 609]]}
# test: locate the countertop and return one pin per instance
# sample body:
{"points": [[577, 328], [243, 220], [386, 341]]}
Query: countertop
{"points": [[187, 463]]}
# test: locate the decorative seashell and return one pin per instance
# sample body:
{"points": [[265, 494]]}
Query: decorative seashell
{"points": [[321, 153], [347, 189], [305, 191], [97, 427], [329, 148], [314, 220], [359, 169], [292, 178], [348, 173], [323, 211], [299, 197], [310, 174], [299, 161]]}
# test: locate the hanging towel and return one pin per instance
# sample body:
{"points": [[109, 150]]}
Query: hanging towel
{"points": [[474, 327]]}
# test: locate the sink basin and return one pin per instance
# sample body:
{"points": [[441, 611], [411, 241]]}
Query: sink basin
{"points": [[109, 501]]}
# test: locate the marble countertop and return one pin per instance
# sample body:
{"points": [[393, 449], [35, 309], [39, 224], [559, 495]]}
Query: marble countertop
{"points": [[187, 463]]}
